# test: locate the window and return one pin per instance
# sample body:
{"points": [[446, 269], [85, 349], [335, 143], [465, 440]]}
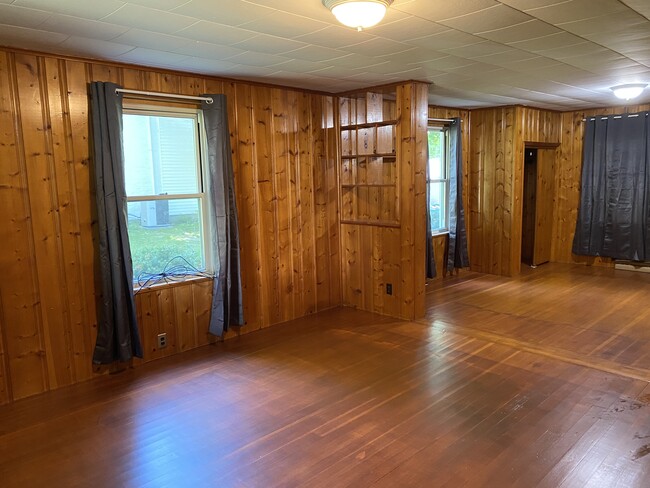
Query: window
{"points": [[438, 179], [166, 198]]}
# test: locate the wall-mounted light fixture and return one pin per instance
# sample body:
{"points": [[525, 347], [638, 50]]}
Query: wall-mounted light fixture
{"points": [[359, 14], [629, 91]]}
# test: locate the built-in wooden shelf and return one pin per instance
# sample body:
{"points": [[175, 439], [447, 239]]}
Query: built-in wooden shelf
{"points": [[369, 125], [369, 185], [389, 156], [376, 223]]}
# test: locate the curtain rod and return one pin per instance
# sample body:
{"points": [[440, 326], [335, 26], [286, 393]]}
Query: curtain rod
{"points": [[605, 117], [163, 95], [441, 120]]}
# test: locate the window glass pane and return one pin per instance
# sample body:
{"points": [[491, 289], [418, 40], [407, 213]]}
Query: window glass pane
{"points": [[438, 205], [160, 230], [436, 155], [160, 155]]}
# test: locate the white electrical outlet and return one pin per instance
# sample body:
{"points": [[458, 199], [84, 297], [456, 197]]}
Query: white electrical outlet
{"points": [[162, 340]]}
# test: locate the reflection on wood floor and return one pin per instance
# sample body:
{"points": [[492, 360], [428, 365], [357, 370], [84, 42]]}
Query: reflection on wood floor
{"points": [[508, 382]]}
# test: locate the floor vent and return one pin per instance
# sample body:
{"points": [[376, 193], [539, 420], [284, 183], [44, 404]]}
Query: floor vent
{"points": [[643, 267]]}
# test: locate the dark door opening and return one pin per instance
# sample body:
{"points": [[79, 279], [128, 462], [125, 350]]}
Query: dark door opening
{"points": [[528, 216], [537, 212]]}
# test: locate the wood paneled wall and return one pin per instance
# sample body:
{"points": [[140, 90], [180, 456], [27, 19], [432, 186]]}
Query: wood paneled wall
{"points": [[496, 169], [567, 183], [285, 155], [374, 255]]}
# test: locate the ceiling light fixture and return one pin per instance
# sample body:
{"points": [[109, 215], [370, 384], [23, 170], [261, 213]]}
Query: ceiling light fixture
{"points": [[629, 91], [359, 14]]}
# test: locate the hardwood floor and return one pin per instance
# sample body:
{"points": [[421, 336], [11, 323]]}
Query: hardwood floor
{"points": [[507, 383]]}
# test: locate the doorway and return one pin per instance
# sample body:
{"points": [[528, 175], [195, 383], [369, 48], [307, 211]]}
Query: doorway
{"points": [[537, 216]]}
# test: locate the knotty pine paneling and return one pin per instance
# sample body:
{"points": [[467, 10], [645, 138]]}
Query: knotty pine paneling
{"points": [[374, 255], [567, 183], [284, 153], [496, 164]]}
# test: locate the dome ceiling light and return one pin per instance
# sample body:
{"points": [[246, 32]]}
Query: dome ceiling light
{"points": [[358, 14], [629, 91]]}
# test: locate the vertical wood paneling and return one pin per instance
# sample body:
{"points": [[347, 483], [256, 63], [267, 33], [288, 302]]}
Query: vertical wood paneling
{"points": [[374, 256], [496, 171], [284, 146]]}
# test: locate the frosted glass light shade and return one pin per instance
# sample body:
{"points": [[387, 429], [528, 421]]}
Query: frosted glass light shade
{"points": [[359, 14], [628, 92]]}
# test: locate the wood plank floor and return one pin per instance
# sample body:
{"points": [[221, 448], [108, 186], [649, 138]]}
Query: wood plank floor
{"points": [[470, 397]]}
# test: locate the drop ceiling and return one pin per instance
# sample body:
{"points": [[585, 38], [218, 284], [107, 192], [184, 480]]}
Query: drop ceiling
{"points": [[546, 53]]}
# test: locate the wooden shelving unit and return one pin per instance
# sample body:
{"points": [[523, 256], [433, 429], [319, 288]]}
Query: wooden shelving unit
{"points": [[369, 162]]}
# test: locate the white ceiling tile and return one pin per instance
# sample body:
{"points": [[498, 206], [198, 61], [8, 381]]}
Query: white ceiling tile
{"points": [[446, 40], [554, 41], [529, 4], [478, 49], [420, 55], [302, 66], [284, 76], [77, 8], [229, 12], [491, 18], [433, 10], [21, 16], [314, 10], [409, 28], [84, 46], [641, 6], [206, 66], [616, 22], [621, 39], [79, 27], [316, 53], [215, 33], [335, 36], [284, 25], [334, 72], [573, 10], [598, 62], [475, 69], [253, 58], [520, 32], [151, 19], [159, 4], [206, 50], [377, 47], [390, 69], [538, 63], [269, 44], [449, 63], [507, 57], [153, 40], [30, 38], [357, 61], [577, 50], [151, 57]]}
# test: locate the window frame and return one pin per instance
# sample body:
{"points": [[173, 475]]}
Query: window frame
{"points": [[444, 129], [200, 138]]}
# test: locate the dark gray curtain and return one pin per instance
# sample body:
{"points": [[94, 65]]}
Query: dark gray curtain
{"points": [[431, 261], [117, 329], [614, 212], [227, 306], [457, 256]]}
